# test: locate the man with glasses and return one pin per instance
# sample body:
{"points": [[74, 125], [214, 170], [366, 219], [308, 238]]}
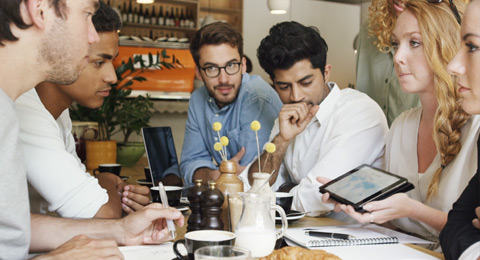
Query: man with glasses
{"points": [[229, 96]]}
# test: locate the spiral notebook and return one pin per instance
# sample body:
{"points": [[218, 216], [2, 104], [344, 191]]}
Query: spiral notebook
{"points": [[361, 236]]}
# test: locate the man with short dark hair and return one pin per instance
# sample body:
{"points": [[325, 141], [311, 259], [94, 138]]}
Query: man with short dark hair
{"points": [[229, 96], [40, 42], [58, 180], [322, 130]]}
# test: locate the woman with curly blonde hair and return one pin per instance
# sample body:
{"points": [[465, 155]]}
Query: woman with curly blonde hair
{"points": [[382, 15], [375, 73], [433, 146]]}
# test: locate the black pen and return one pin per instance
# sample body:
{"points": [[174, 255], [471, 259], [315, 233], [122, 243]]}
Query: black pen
{"points": [[327, 235]]}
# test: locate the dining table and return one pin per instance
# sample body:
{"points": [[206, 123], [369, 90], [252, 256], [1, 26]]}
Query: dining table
{"points": [[137, 173]]}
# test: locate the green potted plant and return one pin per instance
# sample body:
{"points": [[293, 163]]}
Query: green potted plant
{"points": [[122, 113]]}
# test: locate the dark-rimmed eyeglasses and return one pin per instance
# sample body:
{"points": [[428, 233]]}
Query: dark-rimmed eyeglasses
{"points": [[452, 6], [213, 71]]}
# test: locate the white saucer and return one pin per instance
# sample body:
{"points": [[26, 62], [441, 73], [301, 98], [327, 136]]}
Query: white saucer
{"points": [[144, 182], [295, 216], [182, 208]]}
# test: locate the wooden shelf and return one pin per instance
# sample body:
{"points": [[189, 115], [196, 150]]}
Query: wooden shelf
{"points": [[192, 2], [161, 27], [220, 10]]}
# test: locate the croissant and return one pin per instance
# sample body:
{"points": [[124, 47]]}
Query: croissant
{"points": [[293, 253]]}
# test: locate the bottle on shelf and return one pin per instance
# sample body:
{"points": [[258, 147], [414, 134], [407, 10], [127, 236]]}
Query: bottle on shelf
{"points": [[146, 17], [177, 18], [191, 20], [172, 17], [124, 13], [153, 17], [167, 18], [140, 15], [182, 19], [130, 13], [135, 15], [161, 18], [109, 3]]}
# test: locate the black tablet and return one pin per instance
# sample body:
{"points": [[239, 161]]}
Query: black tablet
{"points": [[364, 184]]}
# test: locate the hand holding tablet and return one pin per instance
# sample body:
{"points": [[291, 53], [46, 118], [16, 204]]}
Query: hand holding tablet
{"points": [[365, 184]]}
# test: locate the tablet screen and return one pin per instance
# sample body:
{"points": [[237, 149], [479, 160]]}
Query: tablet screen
{"points": [[362, 184]]}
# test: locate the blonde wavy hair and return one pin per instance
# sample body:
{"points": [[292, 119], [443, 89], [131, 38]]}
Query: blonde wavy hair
{"points": [[381, 21], [441, 39]]}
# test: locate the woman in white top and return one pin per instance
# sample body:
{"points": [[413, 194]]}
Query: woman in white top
{"points": [[433, 145]]}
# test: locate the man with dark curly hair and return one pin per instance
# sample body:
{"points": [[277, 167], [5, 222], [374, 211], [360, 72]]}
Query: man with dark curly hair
{"points": [[322, 130]]}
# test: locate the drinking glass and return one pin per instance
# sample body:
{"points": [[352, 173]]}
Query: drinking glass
{"points": [[222, 252]]}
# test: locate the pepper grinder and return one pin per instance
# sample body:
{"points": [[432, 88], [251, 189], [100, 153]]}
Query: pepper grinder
{"points": [[211, 202], [193, 196]]}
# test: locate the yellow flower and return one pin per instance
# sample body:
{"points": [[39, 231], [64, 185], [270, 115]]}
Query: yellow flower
{"points": [[224, 140], [217, 146], [270, 147], [255, 125], [217, 126]]}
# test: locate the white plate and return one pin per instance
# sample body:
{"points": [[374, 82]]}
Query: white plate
{"points": [[183, 40], [124, 37], [172, 39], [145, 38], [137, 39], [161, 39]]}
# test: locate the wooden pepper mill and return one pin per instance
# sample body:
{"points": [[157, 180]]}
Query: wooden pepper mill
{"points": [[211, 202], [228, 183], [193, 196]]}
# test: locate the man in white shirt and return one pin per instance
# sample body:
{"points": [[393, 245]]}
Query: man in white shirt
{"points": [[321, 129], [58, 181]]}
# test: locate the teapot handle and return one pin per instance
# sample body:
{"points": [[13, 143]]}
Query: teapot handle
{"points": [[284, 220]]}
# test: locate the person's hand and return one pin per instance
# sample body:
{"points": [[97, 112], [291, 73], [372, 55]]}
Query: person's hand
{"points": [[134, 197], [396, 206], [237, 159], [83, 247], [476, 221], [294, 118], [326, 196], [148, 225]]}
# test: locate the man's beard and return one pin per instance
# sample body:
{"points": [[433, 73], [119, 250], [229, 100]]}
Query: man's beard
{"points": [[57, 53]]}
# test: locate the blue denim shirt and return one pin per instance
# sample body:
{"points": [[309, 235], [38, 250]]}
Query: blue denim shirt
{"points": [[256, 100]]}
